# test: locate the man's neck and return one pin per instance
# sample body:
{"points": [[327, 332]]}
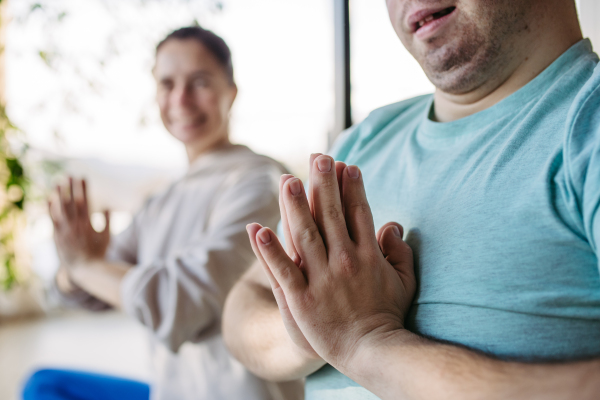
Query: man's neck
{"points": [[539, 49]]}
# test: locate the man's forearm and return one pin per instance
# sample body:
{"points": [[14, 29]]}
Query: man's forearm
{"points": [[101, 279], [255, 334], [402, 365]]}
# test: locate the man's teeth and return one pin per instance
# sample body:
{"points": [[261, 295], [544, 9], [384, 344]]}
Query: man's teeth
{"points": [[424, 21]]}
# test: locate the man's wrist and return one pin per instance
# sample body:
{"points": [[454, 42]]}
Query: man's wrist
{"points": [[363, 363]]}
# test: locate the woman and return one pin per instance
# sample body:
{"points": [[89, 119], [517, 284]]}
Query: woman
{"points": [[173, 267]]}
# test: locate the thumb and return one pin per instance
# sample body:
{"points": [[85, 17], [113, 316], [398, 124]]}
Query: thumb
{"points": [[394, 249]]}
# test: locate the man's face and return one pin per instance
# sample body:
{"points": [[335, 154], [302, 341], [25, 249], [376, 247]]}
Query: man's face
{"points": [[193, 93], [460, 43]]}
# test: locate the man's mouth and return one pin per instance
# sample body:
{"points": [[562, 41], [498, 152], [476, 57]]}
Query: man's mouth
{"points": [[432, 17]]}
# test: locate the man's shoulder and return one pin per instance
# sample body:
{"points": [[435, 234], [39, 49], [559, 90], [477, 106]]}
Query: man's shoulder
{"points": [[413, 108], [584, 114]]}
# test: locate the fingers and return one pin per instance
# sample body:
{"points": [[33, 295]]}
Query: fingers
{"points": [[62, 203], [53, 216], [310, 169], [289, 242], [278, 291], [68, 207], [305, 234], [71, 207], [284, 270], [339, 171], [252, 230], [356, 208], [82, 203], [327, 204]]}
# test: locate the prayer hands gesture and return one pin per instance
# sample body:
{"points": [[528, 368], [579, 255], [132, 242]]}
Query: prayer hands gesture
{"points": [[339, 284], [75, 238]]}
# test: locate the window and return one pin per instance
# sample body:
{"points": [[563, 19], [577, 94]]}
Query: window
{"points": [[383, 71]]}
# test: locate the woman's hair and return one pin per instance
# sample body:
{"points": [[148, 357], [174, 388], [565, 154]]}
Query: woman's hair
{"points": [[214, 43]]}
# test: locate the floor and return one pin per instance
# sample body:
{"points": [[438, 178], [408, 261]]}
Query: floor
{"points": [[106, 342]]}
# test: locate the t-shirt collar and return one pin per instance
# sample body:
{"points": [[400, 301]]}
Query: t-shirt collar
{"points": [[509, 105]]}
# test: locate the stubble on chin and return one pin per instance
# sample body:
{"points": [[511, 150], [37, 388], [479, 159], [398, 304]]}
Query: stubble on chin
{"points": [[463, 64], [477, 53]]}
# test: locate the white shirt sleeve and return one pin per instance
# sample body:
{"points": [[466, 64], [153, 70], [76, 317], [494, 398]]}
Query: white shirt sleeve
{"points": [[181, 297]]}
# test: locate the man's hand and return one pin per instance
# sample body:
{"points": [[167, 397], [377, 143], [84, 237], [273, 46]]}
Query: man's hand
{"points": [[348, 297], [75, 238], [290, 324], [346, 283]]}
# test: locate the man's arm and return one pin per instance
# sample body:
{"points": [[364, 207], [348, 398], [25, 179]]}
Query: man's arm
{"points": [[403, 365], [254, 332], [351, 296]]}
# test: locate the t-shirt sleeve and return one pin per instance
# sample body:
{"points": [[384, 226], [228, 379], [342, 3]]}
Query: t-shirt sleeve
{"points": [[181, 297], [583, 160]]}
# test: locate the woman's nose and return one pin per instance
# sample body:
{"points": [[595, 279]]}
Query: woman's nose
{"points": [[181, 96]]}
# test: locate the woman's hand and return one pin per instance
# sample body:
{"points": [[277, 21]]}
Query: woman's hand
{"points": [[76, 240]]}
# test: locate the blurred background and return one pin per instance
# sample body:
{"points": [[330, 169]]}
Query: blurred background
{"points": [[76, 80]]}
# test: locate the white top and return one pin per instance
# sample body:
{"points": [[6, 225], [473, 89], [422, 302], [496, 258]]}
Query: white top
{"points": [[189, 246]]}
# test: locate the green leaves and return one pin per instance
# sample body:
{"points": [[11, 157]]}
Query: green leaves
{"points": [[13, 187]]}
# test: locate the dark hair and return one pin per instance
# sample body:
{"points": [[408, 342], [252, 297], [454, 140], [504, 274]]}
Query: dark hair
{"points": [[214, 43]]}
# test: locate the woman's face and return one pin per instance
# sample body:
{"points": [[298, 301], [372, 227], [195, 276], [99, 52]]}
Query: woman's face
{"points": [[193, 92]]}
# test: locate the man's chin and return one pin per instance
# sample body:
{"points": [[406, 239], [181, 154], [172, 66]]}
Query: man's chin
{"points": [[458, 70], [459, 80]]}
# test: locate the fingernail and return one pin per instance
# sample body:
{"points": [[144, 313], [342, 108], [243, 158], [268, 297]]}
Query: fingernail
{"points": [[250, 225], [264, 236], [353, 171], [324, 164], [295, 187], [396, 231]]}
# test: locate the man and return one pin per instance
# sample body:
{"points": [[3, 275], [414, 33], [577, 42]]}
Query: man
{"points": [[496, 179]]}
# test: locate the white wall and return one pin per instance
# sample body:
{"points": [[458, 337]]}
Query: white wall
{"points": [[589, 16]]}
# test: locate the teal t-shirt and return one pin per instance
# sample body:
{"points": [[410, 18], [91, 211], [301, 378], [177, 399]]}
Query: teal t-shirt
{"points": [[501, 209]]}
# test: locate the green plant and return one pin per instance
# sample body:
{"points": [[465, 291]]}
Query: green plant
{"points": [[12, 200]]}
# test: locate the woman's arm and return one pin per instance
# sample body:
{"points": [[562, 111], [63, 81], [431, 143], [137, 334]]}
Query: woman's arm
{"points": [[254, 332], [101, 279]]}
